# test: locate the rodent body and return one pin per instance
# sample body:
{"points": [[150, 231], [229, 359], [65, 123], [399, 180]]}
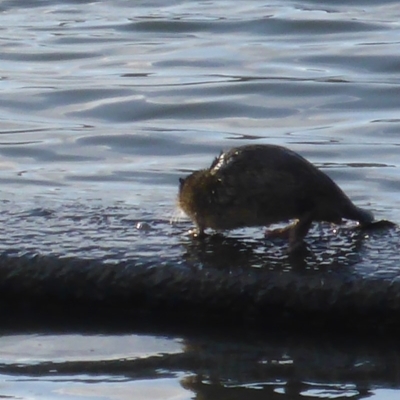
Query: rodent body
{"points": [[258, 185]]}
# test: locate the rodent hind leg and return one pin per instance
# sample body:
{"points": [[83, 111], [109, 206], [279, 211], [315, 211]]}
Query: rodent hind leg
{"points": [[298, 232]]}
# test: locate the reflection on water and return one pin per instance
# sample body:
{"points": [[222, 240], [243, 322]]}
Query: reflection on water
{"points": [[203, 365], [327, 247]]}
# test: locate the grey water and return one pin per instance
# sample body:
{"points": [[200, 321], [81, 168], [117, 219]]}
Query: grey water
{"points": [[105, 104]]}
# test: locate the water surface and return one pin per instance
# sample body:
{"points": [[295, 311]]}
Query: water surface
{"points": [[104, 105]]}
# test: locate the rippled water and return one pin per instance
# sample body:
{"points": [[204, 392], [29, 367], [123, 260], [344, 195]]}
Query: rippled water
{"points": [[104, 105]]}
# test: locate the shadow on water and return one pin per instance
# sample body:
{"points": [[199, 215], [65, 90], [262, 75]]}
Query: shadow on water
{"points": [[347, 278], [211, 365]]}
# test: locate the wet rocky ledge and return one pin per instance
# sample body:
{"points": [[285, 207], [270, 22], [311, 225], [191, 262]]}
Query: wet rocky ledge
{"points": [[351, 281]]}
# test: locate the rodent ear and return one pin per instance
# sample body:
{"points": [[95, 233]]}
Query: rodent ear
{"points": [[181, 181]]}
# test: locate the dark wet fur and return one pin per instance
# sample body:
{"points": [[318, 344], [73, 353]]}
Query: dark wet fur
{"points": [[258, 185]]}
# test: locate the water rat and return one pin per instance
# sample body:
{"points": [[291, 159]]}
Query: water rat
{"points": [[258, 185]]}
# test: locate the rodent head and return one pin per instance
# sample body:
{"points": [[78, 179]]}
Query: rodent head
{"points": [[194, 193]]}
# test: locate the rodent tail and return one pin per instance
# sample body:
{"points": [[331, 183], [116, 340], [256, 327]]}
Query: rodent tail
{"points": [[360, 215]]}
